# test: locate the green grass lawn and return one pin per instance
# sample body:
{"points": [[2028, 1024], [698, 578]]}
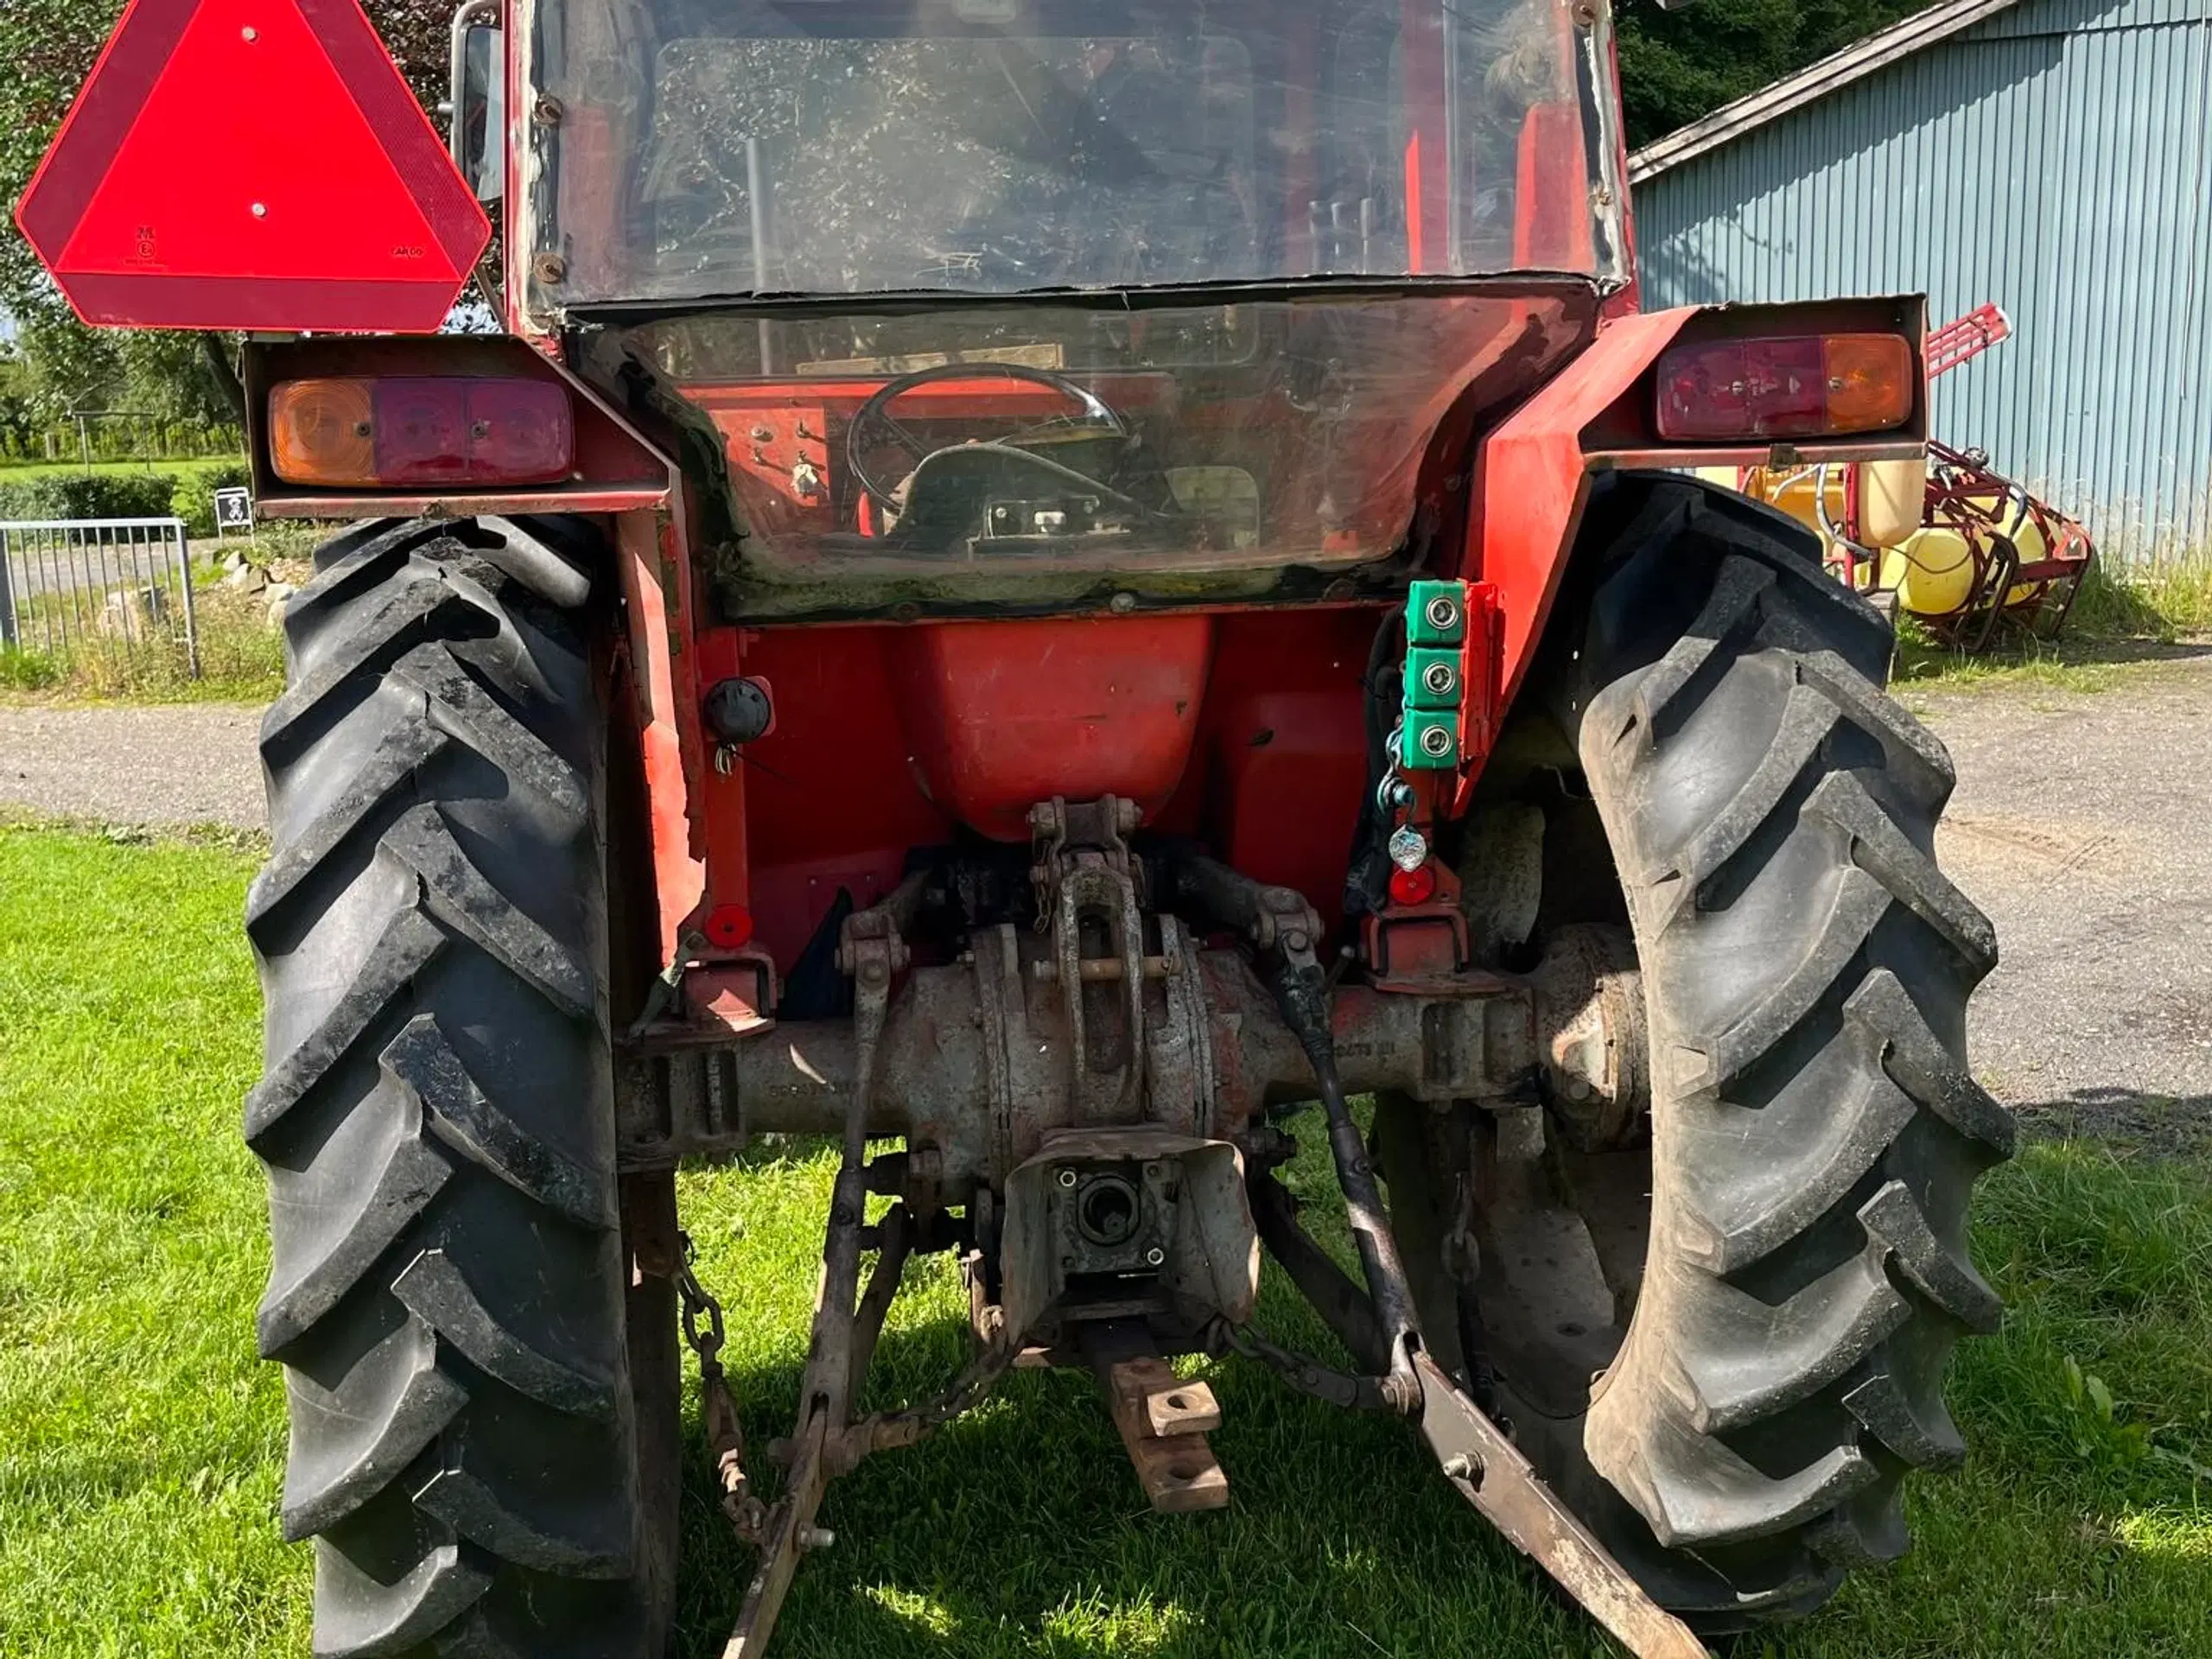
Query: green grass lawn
{"points": [[22, 472], [141, 1442], [2145, 612]]}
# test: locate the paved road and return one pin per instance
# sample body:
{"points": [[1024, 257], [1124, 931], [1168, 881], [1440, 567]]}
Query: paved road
{"points": [[192, 764], [2083, 823]]}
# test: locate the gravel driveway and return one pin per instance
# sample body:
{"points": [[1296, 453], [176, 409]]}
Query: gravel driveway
{"points": [[2082, 824], [193, 763]]}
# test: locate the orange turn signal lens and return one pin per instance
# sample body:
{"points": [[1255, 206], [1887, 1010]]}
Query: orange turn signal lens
{"points": [[420, 431], [1870, 382], [1807, 386], [322, 432]]}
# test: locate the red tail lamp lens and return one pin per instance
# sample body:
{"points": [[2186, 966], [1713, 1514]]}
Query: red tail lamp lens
{"points": [[1810, 386], [1413, 887], [420, 429]]}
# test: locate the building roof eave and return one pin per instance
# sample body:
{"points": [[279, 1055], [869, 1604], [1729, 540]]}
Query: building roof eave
{"points": [[1815, 81]]}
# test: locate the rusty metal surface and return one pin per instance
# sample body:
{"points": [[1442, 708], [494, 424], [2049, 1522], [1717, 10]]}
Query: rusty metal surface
{"points": [[1345, 1307], [895, 1242], [979, 1052], [1303, 993], [1058, 1083], [705, 1335], [1191, 1256], [1490, 1473], [1166, 1443], [1595, 1064], [1413, 1142], [847, 1320], [789, 1532]]}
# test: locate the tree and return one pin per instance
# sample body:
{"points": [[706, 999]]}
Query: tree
{"points": [[18, 420], [50, 47], [1678, 66], [1675, 67]]}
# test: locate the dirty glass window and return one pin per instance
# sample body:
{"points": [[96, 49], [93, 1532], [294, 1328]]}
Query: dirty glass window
{"points": [[710, 148], [965, 446]]}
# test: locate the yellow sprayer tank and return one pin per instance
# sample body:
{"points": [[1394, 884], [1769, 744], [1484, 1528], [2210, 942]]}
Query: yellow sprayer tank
{"points": [[1931, 570]]}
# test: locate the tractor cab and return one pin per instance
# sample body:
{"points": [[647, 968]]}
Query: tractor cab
{"points": [[972, 290]]}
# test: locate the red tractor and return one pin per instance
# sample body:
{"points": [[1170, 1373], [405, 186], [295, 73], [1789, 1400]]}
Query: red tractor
{"points": [[1058, 584]]}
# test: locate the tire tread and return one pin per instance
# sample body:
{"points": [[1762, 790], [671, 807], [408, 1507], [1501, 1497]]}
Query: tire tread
{"points": [[1815, 1128], [445, 1286]]}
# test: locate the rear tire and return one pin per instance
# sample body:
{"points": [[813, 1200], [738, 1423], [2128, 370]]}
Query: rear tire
{"points": [[1771, 812], [448, 1281]]}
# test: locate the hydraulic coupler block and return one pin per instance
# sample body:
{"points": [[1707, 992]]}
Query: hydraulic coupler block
{"points": [[1431, 678], [1436, 613], [1446, 712], [1429, 739]]}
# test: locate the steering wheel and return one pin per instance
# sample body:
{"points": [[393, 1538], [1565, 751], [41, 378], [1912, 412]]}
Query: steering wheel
{"points": [[876, 414]]}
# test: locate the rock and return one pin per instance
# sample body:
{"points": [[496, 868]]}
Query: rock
{"points": [[133, 614]]}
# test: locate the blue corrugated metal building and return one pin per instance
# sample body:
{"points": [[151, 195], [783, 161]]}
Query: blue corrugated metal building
{"points": [[2052, 155]]}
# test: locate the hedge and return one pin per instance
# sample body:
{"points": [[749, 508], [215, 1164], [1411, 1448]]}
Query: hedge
{"points": [[91, 495]]}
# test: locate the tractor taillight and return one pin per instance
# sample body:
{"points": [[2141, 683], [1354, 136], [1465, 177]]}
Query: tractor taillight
{"points": [[1413, 887], [1810, 386], [419, 430]]}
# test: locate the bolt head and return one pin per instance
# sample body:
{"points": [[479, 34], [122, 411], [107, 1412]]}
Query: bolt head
{"points": [[1155, 1256], [1066, 1178]]}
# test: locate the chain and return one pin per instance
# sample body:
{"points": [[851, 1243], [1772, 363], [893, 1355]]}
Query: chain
{"points": [[705, 1333], [886, 1430], [1306, 1376]]}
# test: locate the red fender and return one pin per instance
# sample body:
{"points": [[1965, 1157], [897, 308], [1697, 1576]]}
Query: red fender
{"points": [[1532, 476], [1532, 473]]}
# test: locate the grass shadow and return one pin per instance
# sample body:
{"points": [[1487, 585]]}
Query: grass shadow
{"points": [[1021, 1530], [2163, 613], [2128, 1120]]}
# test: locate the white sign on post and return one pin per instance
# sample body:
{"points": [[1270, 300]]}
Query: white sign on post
{"points": [[233, 510]]}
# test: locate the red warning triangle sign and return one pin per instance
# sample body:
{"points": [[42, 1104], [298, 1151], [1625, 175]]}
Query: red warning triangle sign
{"points": [[252, 164]]}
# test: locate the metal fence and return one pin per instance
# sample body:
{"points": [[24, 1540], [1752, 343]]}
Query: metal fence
{"points": [[110, 586]]}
